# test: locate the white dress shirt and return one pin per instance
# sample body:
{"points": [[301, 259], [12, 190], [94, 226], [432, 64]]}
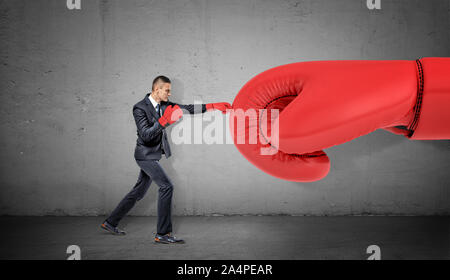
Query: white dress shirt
{"points": [[154, 103]]}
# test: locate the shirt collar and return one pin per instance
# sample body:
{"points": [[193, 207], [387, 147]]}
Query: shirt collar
{"points": [[154, 103]]}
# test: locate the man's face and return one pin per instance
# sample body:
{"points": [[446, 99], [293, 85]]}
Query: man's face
{"points": [[163, 91]]}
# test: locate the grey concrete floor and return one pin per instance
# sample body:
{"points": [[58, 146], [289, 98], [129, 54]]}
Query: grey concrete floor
{"points": [[231, 237]]}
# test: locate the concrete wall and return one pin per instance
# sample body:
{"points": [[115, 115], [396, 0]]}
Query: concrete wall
{"points": [[69, 80]]}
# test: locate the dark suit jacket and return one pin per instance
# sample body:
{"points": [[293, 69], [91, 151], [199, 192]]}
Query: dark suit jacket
{"points": [[152, 137]]}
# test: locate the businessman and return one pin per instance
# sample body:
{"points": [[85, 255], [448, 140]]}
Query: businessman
{"points": [[153, 115]]}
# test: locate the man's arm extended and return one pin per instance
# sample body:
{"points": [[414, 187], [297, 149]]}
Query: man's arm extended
{"points": [[192, 108], [146, 130], [202, 108]]}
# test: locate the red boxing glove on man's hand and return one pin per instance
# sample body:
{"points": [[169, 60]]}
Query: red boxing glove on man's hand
{"points": [[171, 115], [326, 103], [223, 106]]}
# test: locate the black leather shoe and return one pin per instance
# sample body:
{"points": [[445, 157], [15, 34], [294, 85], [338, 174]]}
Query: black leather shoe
{"points": [[168, 239], [112, 229]]}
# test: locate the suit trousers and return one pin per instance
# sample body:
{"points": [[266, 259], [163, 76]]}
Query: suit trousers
{"points": [[151, 170]]}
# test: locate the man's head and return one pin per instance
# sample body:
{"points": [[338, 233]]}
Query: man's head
{"points": [[161, 89]]}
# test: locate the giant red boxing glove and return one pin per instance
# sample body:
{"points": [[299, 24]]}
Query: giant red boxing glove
{"points": [[327, 103]]}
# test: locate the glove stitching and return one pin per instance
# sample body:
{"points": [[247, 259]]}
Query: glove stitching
{"points": [[418, 106]]}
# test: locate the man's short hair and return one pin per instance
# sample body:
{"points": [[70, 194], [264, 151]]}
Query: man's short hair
{"points": [[162, 79]]}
